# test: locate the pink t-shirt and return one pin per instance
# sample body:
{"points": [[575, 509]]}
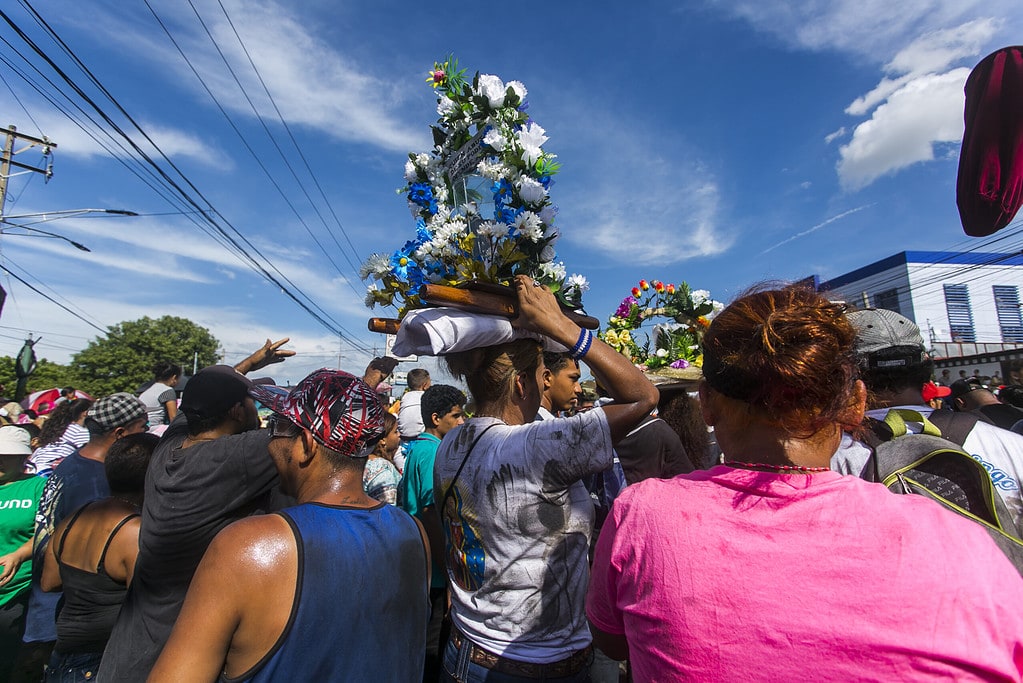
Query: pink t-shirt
{"points": [[731, 574]]}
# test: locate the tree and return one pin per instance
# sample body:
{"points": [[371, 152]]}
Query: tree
{"points": [[124, 359], [47, 375]]}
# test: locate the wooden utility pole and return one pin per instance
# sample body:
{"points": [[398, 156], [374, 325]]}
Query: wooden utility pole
{"points": [[7, 161]]}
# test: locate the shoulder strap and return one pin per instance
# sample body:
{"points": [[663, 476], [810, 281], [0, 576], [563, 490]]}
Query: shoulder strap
{"points": [[71, 523], [447, 494], [954, 426], [110, 538]]}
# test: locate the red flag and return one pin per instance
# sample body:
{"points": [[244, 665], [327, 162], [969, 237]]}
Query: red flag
{"points": [[989, 190]]}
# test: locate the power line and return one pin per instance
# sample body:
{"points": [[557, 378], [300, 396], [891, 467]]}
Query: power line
{"points": [[52, 300], [207, 214]]}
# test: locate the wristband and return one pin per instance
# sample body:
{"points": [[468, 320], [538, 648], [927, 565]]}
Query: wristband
{"points": [[582, 346]]}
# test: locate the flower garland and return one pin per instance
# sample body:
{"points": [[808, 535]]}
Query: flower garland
{"points": [[483, 130], [677, 344]]}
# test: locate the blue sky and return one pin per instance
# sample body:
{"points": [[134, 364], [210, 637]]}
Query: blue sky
{"points": [[720, 143]]}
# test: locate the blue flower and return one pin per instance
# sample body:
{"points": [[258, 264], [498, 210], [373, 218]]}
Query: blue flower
{"points": [[546, 181], [422, 232], [502, 190], [422, 194], [505, 214], [400, 262]]}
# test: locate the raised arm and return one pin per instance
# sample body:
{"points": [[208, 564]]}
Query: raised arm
{"points": [[632, 392], [268, 354]]}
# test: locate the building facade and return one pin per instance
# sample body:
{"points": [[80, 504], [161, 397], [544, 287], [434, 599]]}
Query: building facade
{"points": [[966, 304]]}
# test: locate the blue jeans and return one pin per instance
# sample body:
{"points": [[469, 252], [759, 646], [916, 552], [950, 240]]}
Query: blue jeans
{"points": [[73, 668], [474, 673]]}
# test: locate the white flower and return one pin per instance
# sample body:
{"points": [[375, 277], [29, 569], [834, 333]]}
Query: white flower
{"points": [[446, 106], [493, 89], [578, 282], [527, 224], [495, 139], [530, 138], [531, 191], [554, 271], [492, 230], [470, 209], [699, 296], [371, 296], [661, 353], [411, 173], [376, 265], [423, 160], [491, 169], [548, 213], [518, 88]]}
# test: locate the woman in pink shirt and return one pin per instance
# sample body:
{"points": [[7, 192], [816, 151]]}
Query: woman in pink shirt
{"points": [[773, 567]]}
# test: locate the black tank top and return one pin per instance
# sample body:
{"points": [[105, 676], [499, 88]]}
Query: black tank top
{"points": [[91, 600]]}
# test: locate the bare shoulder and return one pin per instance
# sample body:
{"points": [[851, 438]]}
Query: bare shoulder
{"points": [[257, 543]]}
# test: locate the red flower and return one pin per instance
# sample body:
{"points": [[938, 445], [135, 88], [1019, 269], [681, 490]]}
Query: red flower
{"points": [[636, 293], [659, 286], [644, 285], [671, 288]]}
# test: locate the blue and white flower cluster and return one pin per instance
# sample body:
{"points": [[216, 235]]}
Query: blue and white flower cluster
{"points": [[484, 132]]}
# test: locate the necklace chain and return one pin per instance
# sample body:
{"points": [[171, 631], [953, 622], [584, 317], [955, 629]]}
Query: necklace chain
{"points": [[777, 468]]}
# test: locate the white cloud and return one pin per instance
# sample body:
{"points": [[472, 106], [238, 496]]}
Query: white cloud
{"points": [[831, 137], [903, 131], [651, 212], [870, 29], [919, 103], [74, 142], [312, 82]]}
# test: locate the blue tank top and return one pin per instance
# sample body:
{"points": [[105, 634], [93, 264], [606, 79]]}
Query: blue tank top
{"points": [[362, 600]]}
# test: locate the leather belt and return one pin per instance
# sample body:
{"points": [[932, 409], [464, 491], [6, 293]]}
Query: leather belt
{"points": [[563, 668]]}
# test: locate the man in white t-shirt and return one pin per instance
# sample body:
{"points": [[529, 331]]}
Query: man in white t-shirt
{"points": [[410, 416], [895, 367]]}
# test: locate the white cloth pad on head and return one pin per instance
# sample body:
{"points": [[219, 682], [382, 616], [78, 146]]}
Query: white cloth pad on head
{"points": [[437, 331]]}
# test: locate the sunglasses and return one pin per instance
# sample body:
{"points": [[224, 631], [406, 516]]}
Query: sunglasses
{"points": [[281, 426]]}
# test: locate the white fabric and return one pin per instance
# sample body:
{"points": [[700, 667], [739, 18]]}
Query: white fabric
{"points": [[437, 331], [998, 450], [517, 528], [410, 415]]}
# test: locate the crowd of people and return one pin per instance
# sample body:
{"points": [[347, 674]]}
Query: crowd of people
{"points": [[534, 529]]}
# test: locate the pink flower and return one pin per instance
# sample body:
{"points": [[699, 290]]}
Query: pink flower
{"points": [[625, 307]]}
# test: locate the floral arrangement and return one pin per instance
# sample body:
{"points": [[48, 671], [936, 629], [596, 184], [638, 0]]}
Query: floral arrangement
{"points": [[676, 344], [480, 200]]}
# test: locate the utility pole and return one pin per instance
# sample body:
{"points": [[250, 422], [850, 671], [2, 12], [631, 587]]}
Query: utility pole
{"points": [[7, 161]]}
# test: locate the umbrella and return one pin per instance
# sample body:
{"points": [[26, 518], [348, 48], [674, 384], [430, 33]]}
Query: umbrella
{"points": [[989, 190], [36, 399]]}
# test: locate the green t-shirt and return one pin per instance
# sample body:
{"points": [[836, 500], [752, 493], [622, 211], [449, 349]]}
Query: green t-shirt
{"points": [[18, 503], [416, 488]]}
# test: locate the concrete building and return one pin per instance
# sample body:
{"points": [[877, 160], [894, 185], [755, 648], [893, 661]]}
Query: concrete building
{"points": [[966, 304]]}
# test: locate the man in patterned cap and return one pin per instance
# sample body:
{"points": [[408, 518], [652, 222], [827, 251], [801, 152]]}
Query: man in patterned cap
{"points": [[339, 563]]}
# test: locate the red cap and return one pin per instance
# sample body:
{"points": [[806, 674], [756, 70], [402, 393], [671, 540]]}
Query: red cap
{"points": [[932, 391]]}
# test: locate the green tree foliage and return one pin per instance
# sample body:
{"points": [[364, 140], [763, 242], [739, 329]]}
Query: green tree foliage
{"points": [[47, 375], [124, 359]]}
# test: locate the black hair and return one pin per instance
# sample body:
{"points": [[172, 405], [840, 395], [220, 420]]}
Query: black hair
{"points": [[68, 390], [556, 362], [439, 399], [1012, 395], [165, 370], [127, 461], [893, 370], [63, 415], [341, 462], [198, 424], [31, 413], [682, 413], [416, 378]]}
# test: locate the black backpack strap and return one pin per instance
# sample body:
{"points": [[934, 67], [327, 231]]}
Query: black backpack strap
{"points": [[954, 426], [454, 480]]}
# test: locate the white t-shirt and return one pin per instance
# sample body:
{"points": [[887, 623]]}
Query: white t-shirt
{"points": [[410, 415], [517, 528], [998, 450], [155, 397]]}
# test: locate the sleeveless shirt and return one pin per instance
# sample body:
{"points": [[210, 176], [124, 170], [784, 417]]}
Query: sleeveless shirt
{"points": [[362, 600], [91, 599]]}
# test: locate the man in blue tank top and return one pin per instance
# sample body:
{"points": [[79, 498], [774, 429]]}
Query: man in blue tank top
{"points": [[336, 588]]}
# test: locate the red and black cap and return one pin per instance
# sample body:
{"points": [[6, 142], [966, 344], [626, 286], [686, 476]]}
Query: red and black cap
{"points": [[338, 409]]}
